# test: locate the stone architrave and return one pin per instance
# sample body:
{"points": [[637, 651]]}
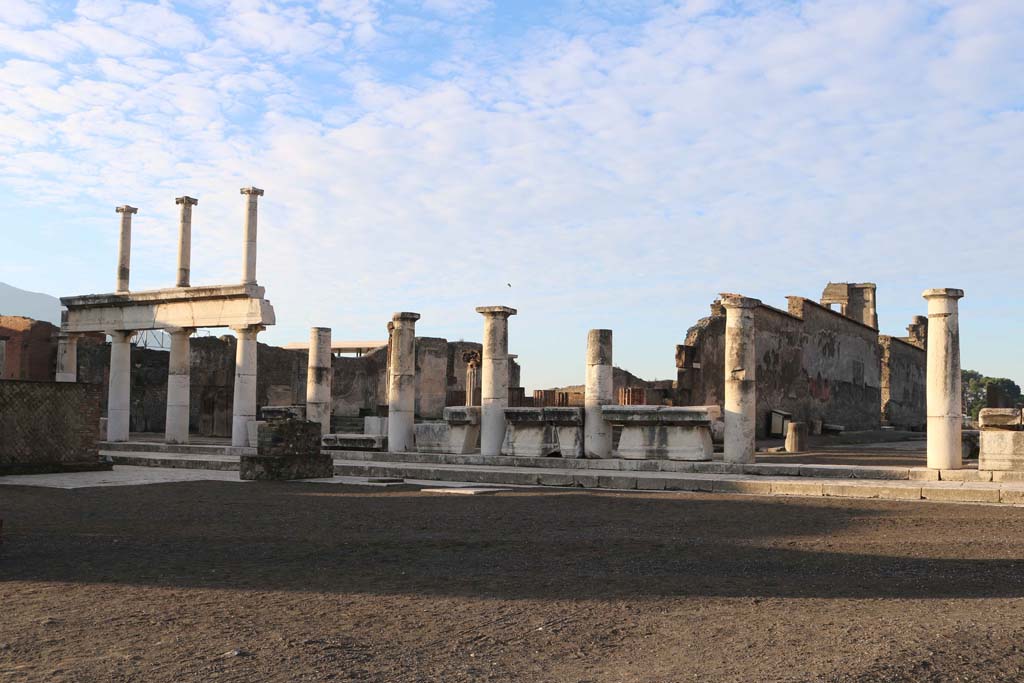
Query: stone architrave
{"points": [[740, 378], [598, 392], [402, 385], [945, 416], [494, 378]]}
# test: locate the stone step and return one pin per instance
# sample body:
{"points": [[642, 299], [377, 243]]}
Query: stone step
{"points": [[175, 449], [196, 461]]}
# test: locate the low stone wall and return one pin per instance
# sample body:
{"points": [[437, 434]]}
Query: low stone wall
{"points": [[49, 426]]}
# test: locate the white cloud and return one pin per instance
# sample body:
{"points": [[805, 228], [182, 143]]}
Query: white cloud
{"points": [[22, 12]]}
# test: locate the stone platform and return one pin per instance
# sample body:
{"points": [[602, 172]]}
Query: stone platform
{"points": [[848, 481]]}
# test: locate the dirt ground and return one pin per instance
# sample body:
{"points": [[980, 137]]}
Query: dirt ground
{"points": [[271, 581]]}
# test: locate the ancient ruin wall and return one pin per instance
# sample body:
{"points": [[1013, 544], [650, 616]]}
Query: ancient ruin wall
{"points": [[28, 348], [903, 383], [48, 426]]}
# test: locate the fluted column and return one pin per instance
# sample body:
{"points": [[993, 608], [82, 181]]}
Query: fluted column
{"points": [[494, 378], [244, 406], [119, 395], [740, 376], [185, 239], [252, 195], [178, 387], [598, 391], [945, 412], [402, 384], [318, 378], [124, 248]]}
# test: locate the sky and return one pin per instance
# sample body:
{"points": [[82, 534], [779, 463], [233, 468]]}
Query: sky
{"points": [[594, 164]]}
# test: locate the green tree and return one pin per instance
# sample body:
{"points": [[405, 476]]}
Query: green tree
{"points": [[975, 389]]}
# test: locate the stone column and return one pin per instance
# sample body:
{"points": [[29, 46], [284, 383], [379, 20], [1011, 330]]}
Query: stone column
{"points": [[599, 391], [494, 378], [178, 386], [945, 417], [740, 374], [67, 358], [244, 406], [402, 383], [124, 247], [472, 359], [318, 378], [119, 397], [252, 194], [185, 239]]}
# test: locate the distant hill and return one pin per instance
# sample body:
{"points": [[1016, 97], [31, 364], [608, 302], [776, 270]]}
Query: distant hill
{"points": [[14, 301]]}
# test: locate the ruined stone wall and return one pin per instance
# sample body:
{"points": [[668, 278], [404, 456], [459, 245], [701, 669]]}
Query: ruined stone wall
{"points": [[811, 362], [903, 383], [28, 348], [431, 377], [48, 426]]}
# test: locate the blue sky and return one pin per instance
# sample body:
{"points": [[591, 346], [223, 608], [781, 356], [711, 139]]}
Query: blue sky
{"points": [[618, 163]]}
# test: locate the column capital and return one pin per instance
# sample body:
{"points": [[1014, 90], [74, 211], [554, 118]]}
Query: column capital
{"points": [[943, 293], [252, 190], [503, 311], [126, 209], [186, 200], [738, 301], [405, 316], [248, 329], [180, 330]]}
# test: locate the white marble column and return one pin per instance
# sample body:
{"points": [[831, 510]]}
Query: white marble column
{"points": [[598, 391], [185, 239], [178, 386], [67, 358], [124, 247], [494, 378], [402, 383], [318, 378], [244, 406], [945, 413], [740, 374], [252, 195], [119, 396]]}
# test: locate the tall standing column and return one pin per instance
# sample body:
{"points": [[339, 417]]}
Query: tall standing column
{"points": [[472, 359], [597, 434], [740, 375], [119, 396], [244, 406], [318, 378], [67, 358], [178, 386], [185, 239], [945, 415], [494, 378], [402, 384], [252, 195], [124, 247]]}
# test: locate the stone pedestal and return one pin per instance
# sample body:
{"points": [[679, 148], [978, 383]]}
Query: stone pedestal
{"points": [[178, 387], [568, 424], [494, 378], [287, 449], [1001, 440], [740, 376], [528, 433], [598, 392], [318, 378], [661, 432], [244, 406], [119, 396], [796, 437], [185, 239], [463, 429], [402, 385], [945, 417]]}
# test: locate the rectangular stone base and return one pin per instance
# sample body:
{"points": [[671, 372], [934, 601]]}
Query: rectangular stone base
{"points": [[1001, 450], [283, 467]]}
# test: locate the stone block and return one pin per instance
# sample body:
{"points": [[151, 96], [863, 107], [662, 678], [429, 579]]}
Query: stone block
{"points": [[961, 494], [661, 432], [965, 475], [797, 488], [650, 483], [772, 469], [616, 482], [527, 433], [1007, 476], [923, 474], [761, 488], [555, 479], [432, 437], [375, 426], [1001, 450], [355, 442], [884, 491], [1000, 418], [268, 413], [1013, 496], [287, 449]]}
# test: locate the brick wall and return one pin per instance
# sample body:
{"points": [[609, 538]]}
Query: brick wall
{"points": [[30, 348], [48, 426]]}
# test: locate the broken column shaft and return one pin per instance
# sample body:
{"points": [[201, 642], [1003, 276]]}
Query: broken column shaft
{"points": [[945, 415], [494, 378], [124, 247], [120, 386], [178, 387], [252, 195], [599, 391], [402, 382], [740, 374], [244, 405], [184, 239], [318, 378]]}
